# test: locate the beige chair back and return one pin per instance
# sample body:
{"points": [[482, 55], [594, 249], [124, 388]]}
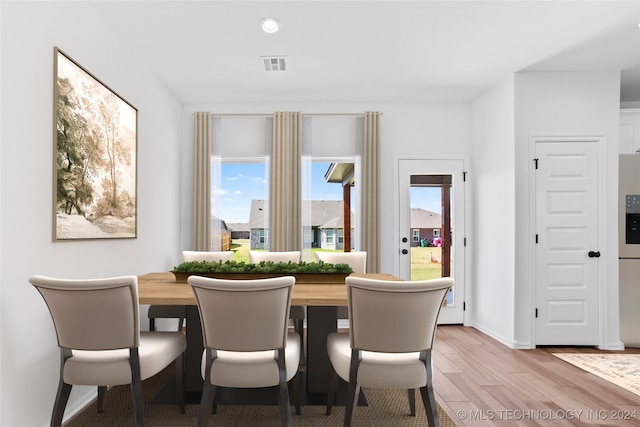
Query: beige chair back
{"points": [[255, 257], [92, 314], [394, 316], [356, 260], [243, 315], [222, 256]]}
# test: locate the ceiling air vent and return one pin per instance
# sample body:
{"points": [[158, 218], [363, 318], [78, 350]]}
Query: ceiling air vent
{"points": [[274, 63]]}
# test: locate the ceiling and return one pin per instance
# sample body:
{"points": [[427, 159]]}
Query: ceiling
{"points": [[424, 51]]}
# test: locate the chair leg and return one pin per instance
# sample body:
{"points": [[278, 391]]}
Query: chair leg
{"points": [[64, 390], [295, 382], [412, 401], [427, 392], [179, 366], [102, 391], [354, 388], [205, 402], [136, 387], [216, 399], [352, 399], [284, 404], [298, 326], [180, 324], [283, 391], [152, 324], [430, 406], [62, 397], [331, 389]]}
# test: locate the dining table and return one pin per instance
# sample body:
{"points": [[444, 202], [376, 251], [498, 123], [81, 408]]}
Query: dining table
{"points": [[320, 299]]}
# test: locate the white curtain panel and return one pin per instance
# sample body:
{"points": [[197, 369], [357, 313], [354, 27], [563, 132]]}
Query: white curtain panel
{"points": [[285, 193], [370, 190], [202, 182]]}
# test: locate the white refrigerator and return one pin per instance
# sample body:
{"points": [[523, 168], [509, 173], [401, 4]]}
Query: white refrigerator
{"points": [[629, 248]]}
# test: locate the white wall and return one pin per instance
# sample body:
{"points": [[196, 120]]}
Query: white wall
{"points": [[407, 129], [567, 104], [29, 31], [493, 213]]}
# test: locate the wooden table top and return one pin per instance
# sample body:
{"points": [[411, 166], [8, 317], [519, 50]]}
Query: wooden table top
{"points": [[162, 289]]}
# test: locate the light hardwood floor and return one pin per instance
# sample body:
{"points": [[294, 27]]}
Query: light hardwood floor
{"points": [[481, 382]]}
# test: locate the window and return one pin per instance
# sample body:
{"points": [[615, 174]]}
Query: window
{"points": [[330, 237], [416, 234], [329, 186], [239, 199], [326, 180], [436, 232]]}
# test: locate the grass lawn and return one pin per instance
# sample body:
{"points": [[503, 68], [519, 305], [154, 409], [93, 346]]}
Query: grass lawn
{"points": [[421, 265], [241, 247]]}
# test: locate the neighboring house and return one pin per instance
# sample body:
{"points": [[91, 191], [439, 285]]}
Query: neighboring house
{"points": [[425, 227], [326, 225], [220, 235], [239, 230]]}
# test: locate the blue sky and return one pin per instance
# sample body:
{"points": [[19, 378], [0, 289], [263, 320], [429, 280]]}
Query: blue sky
{"points": [[243, 182]]}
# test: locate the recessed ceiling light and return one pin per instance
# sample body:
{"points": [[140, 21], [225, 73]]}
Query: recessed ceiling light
{"points": [[270, 25]]}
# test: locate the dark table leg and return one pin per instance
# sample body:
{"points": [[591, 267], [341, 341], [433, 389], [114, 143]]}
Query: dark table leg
{"points": [[320, 322], [195, 347]]}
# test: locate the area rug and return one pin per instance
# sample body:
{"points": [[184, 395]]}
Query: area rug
{"points": [[620, 369], [386, 408]]}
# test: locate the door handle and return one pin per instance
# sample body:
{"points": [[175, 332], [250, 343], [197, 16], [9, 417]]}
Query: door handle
{"points": [[404, 252], [593, 254]]}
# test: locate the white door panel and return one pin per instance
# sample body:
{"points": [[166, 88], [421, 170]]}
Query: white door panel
{"points": [[567, 231]]}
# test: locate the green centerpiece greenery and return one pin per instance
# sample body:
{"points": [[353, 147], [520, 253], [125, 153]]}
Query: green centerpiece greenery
{"points": [[309, 272]]}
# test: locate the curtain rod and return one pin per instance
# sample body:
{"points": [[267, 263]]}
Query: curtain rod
{"points": [[270, 114]]}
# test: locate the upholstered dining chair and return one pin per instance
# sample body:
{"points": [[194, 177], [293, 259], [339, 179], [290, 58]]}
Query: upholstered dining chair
{"points": [[296, 313], [255, 257], [246, 341], [220, 256], [357, 260], [179, 311], [391, 334], [98, 331]]}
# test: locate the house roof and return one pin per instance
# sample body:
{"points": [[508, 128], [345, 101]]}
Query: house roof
{"points": [[215, 220], [324, 213], [238, 226], [422, 218]]}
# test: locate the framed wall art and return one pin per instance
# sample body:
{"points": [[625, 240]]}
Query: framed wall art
{"points": [[95, 150]]}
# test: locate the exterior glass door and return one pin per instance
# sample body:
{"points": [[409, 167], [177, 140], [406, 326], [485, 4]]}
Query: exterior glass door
{"points": [[432, 227]]}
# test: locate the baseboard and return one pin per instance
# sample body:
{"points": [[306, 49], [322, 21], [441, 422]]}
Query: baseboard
{"points": [[80, 404], [503, 340]]}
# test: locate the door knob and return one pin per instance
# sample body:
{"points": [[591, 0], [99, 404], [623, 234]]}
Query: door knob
{"points": [[594, 254], [404, 252], [404, 240]]}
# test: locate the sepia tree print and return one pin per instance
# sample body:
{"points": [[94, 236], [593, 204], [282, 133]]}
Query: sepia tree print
{"points": [[95, 160]]}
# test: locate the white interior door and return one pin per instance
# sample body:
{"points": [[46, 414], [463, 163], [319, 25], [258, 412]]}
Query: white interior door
{"points": [[431, 210], [567, 254]]}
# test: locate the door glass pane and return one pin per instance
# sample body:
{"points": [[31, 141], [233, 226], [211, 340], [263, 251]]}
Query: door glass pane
{"points": [[431, 227]]}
